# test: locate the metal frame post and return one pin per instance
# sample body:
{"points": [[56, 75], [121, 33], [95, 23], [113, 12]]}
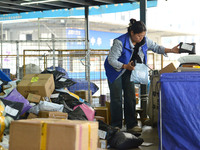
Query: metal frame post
{"points": [[53, 45], [1, 46], [17, 59], [87, 47], [143, 6]]}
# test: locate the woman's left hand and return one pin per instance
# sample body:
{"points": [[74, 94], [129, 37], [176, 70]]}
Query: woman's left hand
{"points": [[175, 49]]}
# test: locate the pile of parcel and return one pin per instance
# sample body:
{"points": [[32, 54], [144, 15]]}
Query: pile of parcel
{"points": [[44, 111]]}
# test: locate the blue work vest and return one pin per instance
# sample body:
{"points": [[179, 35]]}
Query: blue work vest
{"points": [[125, 57]]}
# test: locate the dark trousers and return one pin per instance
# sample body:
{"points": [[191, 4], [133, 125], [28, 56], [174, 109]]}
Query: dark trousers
{"points": [[124, 84]]}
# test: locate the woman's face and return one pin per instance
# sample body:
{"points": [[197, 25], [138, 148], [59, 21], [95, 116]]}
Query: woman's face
{"points": [[137, 38]]}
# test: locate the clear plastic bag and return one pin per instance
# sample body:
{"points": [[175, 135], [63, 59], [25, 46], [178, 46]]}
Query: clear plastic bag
{"points": [[140, 74]]}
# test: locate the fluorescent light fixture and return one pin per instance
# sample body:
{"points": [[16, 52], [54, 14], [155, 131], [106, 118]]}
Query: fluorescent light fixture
{"points": [[38, 2]]}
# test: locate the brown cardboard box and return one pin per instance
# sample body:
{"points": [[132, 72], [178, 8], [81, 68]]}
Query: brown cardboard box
{"points": [[31, 116], [53, 134], [52, 114], [46, 134], [169, 68], [102, 144], [33, 98], [93, 127], [93, 132], [102, 111], [40, 84], [99, 118], [109, 113], [83, 94]]}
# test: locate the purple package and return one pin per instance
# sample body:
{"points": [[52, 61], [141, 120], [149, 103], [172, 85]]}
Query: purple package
{"points": [[17, 97]]}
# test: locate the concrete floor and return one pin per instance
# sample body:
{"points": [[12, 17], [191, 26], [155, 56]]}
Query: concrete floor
{"points": [[149, 135]]}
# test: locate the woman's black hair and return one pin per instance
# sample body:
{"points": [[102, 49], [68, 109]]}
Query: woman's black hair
{"points": [[136, 26]]}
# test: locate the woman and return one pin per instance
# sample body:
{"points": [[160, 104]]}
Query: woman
{"points": [[126, 50]]}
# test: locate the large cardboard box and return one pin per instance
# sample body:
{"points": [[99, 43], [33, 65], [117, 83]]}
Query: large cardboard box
{"points": [[93, 127], [168, 69], [53, 134], [53, 114], [40, 84]]}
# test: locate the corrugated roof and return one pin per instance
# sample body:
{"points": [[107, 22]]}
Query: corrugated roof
{"points": [[20, 6]]}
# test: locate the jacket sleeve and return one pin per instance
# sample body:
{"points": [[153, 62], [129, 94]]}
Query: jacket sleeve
{"points": [[155, 47], [114, 54]]}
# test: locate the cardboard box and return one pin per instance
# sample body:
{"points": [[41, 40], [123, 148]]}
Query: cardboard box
{"points": [[33, 98], [109, 113], [52, 114], [99, 118], [93, 127], [40, 84], [168, 69], [31, 116], [83, 94], [102, 111], [102, 144], [52, 134]]}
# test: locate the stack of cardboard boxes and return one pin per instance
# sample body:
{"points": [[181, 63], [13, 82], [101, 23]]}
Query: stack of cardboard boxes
{"points": [[49, 130]]}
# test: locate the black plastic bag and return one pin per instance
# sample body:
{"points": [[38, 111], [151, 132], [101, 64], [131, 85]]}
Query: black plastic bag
{"points": [[56, 74], [124, 140], [12, 108], [66, 108], [59, 79], [77, 114], [108, 129], [63, 83], [69, 100]]}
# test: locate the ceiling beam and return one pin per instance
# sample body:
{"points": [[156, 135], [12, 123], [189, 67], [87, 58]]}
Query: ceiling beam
{"points": [[17, 8], [6, 10], [59, 5], [13, 4], [82, 3], [105, 1]]}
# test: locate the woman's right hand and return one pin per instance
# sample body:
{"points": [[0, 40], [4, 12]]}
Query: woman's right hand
{"points": [[129, 66]]}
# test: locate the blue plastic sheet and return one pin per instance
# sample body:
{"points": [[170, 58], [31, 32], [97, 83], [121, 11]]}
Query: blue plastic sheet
{"points": [[4, 77], [82, 84], [180, 111]]}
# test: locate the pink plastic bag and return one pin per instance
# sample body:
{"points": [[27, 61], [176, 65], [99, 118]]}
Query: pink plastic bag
{"points": [[89, 111]]}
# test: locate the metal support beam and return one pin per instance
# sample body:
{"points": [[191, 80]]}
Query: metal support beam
{"points": [[1, 46], [143, 87], [53, 44], [143, 6], [87, 47], [17, 59]]}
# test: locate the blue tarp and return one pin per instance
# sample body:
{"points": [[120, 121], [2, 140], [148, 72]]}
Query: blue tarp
{"points": [[180, 110]]}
